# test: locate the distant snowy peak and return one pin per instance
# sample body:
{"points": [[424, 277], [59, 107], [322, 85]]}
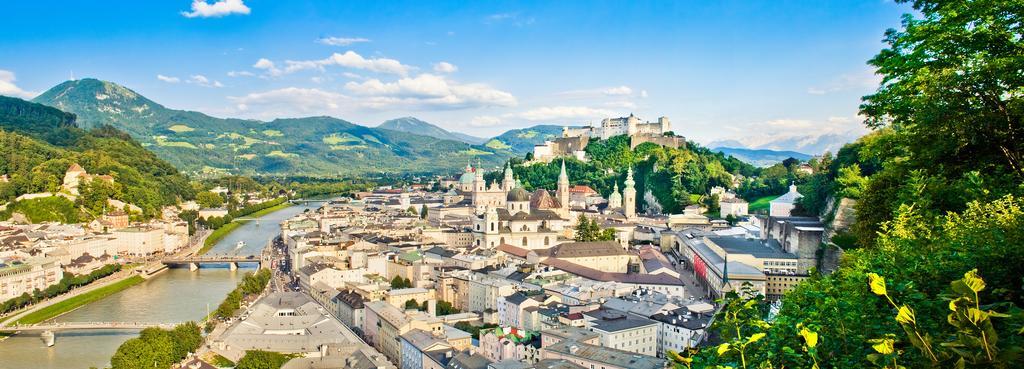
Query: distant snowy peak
{"points": [[810, 144]]}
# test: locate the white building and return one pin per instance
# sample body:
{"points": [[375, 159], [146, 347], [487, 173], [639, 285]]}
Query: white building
{"points": [[623, 332], [19, 277], [630, 125], [734, 206], [783, 205]]}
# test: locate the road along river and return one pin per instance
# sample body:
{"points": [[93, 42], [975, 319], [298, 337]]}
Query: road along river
{"points": [[176, 295]]}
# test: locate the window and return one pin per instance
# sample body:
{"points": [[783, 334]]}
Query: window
{"points": [[524, 241]]}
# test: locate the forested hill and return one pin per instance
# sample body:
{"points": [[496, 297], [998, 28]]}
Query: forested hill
{"points": [[313, 146], [39, 143], [931, 271], [674, 177]]}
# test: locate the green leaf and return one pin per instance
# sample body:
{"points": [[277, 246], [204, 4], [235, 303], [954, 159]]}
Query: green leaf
{"points": [[810, 337], [973, 281], [877, 284], [883, 346], [755, 337], [906, 315], [722, 349]]}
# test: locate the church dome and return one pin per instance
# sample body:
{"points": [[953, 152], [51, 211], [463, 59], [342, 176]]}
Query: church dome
{"points": [[466, 178], [518, 194]]}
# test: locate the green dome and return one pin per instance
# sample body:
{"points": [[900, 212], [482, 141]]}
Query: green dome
{"points": [[518, 194]]}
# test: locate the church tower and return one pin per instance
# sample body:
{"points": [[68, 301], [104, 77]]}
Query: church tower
{"points": [[614, 199], [563, 189], [629, 196], [479, 185], [509, 182]]}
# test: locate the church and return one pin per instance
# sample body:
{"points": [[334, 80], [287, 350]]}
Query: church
{"points": [[508, 214]]}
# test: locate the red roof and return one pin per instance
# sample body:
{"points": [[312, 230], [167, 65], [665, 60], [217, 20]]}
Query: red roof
{"points": [[581, 189], [513, 250]]}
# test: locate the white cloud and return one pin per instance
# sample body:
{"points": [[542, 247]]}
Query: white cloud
{"points": [[269, 66], [445, 67], [168, 79], [614, 91], [485, 121], [563, 113], [514, 18], [349, 59], [201, 80], [621, 104], [618, 91], [289, 101], [220, 8], [430, 90], [643, 94], [864, 80], [341, 41], [243, 73], [8, 88], [351, 75]]}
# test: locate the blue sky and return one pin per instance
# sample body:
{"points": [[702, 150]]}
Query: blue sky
{"points": [[743, 70]]}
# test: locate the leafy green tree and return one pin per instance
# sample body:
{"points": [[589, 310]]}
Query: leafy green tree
{"points": [[399, 282], [209, 199], [850, 182], [258, 359], [411, 304]]}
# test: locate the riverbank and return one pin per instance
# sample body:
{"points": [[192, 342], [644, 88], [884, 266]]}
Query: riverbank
{"points": [[224, 230], [76, 302]]}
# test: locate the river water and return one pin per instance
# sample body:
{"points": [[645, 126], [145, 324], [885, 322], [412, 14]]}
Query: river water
{"points": [[176, 295]]}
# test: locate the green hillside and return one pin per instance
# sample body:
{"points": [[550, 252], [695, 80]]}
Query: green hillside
{"points": [[321, 146], [522, 140], [419, 127], [39, 143], [671, 175]]}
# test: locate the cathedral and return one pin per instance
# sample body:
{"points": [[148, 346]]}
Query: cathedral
{"points": [[508, 214]]}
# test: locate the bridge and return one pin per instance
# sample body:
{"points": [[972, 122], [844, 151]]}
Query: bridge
{"points": [[194, 261], [301, 201], [53, 327]]}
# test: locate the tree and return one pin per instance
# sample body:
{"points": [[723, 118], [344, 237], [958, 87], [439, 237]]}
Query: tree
{"points": [[850, 182], [711, 202], [589, 231], [445, 308], [731, 219], [790, 162], [423, 212], [399, 282], [411, 210], [411, 304], [258, 359], [209, 199]]}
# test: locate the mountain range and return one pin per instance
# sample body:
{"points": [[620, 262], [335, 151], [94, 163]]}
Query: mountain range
{"points": [[813, 144], [201, 144], [198, 143], [416, 126], [760, 157]]}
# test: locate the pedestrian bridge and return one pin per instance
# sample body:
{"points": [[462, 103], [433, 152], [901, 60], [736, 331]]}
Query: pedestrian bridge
{"points": [[54, 327], [194, 261]]}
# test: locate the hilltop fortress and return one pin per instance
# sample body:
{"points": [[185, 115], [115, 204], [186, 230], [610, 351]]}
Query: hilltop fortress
{"points": [[575, 140]]}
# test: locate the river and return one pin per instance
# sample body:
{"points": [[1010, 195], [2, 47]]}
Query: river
{"points": [[176, 295]]}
